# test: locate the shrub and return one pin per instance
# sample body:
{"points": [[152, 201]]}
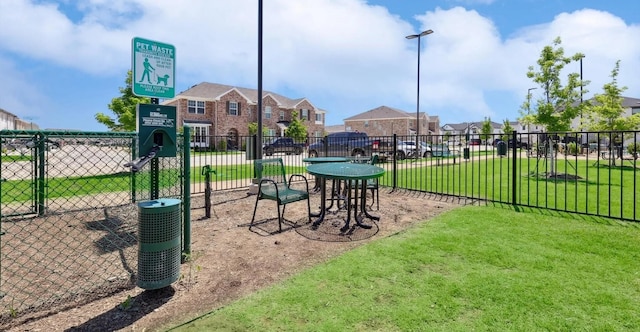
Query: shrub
{"points": [[222, 145], [634, 149], [572, 148]]}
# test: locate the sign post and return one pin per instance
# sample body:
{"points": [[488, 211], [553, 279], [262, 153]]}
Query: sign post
{"points": [[154, 68]]}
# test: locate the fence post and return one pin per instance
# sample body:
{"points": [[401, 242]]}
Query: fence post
{"points": [[514, 167], [40, 149], [186, 196], [394, 175], [132, 173], [325, 145]]}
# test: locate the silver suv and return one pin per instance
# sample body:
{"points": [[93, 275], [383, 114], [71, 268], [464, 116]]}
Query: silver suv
{"points": [[407, 149]]}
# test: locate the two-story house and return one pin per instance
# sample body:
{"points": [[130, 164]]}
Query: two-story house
{"points": [[386, 121], [474, 129], [214, 111], [7, 120]]}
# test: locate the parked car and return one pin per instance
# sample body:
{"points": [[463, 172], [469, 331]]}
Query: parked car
{"points": [[426, 150], [475, 141], [519, 144], [282, 144], [407, 149], [350, 144], [442, 150]]}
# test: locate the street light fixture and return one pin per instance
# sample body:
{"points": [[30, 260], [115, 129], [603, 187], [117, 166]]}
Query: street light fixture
{"points": [[423, 33]]}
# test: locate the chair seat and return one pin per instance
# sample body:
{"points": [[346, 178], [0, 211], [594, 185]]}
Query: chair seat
{"points": [[285, 195], [275, 186]]}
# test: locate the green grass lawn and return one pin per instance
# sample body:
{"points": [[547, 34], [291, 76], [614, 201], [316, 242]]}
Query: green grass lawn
{"points": [[15, 158], [22, 190], [602, 190], [470, 269]]}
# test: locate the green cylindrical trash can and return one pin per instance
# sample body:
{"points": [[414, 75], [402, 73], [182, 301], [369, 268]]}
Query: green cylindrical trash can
{"points": [[465, 153], [502, 148], [159, 238]]}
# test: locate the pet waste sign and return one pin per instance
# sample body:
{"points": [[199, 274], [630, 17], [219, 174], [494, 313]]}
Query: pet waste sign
{"points": [[154, 68]]}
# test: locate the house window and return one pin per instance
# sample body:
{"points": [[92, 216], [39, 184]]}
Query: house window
{"points": [[233, 108], [267, 112], [200, 134], [318, 117], [195, 107], [366, 123], [271, 132], [304, 114], [281, 115]]}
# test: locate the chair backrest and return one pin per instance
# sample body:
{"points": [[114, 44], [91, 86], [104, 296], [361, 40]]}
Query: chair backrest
{"points": [[272, 169], [374, 159]]}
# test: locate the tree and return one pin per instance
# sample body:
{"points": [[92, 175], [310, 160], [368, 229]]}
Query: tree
{"points": [[561, 103], [607, 114], [447, 136], [296, 129], [507, 129], [124, 108], [486, 130], [253, 129]]}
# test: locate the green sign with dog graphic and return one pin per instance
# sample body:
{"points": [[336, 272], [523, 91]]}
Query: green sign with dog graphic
{"points": [[154, 68]]}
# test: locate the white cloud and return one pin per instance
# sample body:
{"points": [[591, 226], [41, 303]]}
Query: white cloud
{"points": [[344, 55], [18, 95], [475, 2], [602, 37]]}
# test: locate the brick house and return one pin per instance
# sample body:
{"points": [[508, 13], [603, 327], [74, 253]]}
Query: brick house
{"points": [[215, 110], [386, 121]]}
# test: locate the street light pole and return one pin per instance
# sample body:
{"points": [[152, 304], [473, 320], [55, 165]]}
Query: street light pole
{"points": [[423, 33]]}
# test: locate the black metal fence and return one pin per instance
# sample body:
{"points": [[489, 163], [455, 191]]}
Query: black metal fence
{"points": [[594, 173]]}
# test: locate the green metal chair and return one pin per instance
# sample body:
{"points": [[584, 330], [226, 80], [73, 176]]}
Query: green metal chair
{"points": [[373, 185], [275, 186]]}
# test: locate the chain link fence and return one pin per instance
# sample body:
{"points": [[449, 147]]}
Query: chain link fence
{"points": [[68, 217]]}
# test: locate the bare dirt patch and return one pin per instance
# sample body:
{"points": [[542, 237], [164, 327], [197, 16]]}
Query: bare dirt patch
{"points": [[229, 261]]}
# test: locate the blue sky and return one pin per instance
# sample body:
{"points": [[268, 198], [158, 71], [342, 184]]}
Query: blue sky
{"points": [[63, 61]]}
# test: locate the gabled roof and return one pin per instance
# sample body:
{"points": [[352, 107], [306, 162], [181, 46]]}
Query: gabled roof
{"points": [[213, 91], [630, 102], [478, 125], [382, 113], [457, 126], [300, 101], [627, 102], [7, 112]]}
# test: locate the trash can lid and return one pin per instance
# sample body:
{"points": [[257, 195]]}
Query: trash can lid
{"points": [[160, 202]]}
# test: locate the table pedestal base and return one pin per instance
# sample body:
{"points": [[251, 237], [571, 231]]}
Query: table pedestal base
{"points": [[357, 203]]}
